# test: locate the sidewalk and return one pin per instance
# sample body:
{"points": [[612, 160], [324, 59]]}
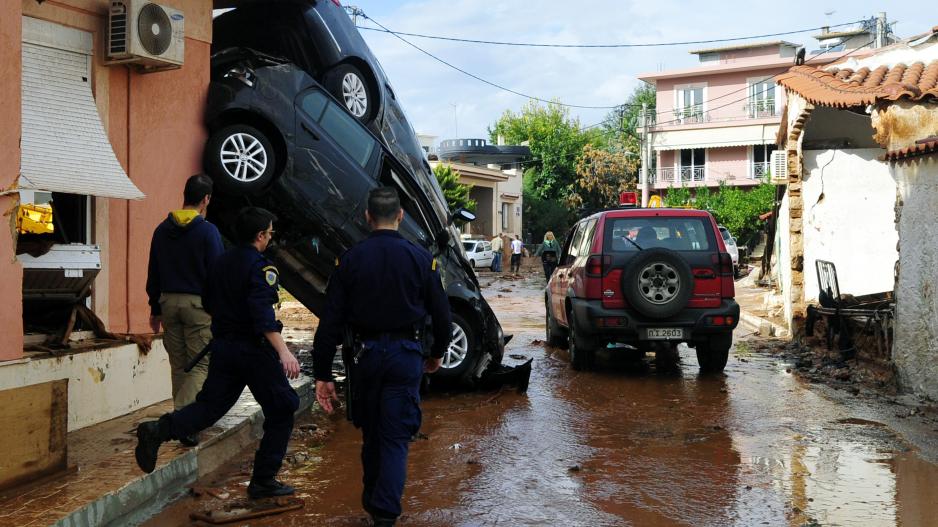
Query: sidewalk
{"points": [[751, 300], [104, 486]]}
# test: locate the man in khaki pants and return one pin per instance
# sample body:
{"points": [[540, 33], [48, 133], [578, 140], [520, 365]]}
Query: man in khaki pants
{"points": [[183, 249]]}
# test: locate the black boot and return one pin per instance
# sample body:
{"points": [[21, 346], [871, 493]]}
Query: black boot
{"points": [[150, 435], [268, 488], [190, 440], [383, 521]]}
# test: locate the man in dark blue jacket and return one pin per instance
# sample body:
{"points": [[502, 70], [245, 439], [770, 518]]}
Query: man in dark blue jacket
{"points": [[247, 350], [382, 290], [183, 249]]}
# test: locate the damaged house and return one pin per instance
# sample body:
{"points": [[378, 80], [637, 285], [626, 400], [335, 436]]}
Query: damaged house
{"points": [[858, 140]]}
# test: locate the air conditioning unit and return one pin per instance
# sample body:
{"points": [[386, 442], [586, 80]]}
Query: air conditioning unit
{"points": [[150, 35], [779, 166]]}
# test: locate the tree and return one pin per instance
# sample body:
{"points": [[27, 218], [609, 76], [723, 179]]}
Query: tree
{"points": [[735, 208], [556, 141], [456, 193], [542, 215], [601, 176], [622, 123]]}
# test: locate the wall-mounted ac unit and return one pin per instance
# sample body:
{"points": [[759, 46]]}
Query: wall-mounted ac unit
{"points": [[147, 34], [779, 166]]}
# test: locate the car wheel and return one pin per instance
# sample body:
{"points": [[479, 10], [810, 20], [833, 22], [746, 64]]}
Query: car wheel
{"points": [[555, 334], [240, 159], [658, 283], [713, 354], [462, 354], [351, 88], [582, 349]]}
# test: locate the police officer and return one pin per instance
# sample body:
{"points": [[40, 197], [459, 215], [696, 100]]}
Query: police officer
{"points": [[247, 349], [382, 290]]}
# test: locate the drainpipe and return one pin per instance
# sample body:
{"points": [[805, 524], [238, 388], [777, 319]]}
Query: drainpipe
{"points": [[643, 177]]}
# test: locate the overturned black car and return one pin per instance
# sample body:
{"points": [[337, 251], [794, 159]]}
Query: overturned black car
{"points": [[279, 140]]}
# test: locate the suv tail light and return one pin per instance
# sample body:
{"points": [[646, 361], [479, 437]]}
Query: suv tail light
{"points": [[725, 263], [597, 264]]}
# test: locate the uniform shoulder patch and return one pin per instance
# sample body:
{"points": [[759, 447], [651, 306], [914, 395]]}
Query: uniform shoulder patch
{"points": [[271, 275]]}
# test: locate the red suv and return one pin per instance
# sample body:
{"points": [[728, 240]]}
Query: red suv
{"points": [[647, 278]]}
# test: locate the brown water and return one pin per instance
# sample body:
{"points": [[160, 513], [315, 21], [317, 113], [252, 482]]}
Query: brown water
{"points": [[628, 445]]}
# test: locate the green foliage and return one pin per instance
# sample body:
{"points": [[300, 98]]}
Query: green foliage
{"points": [[601, 176], [621, 124], [556, 142], [456, 193], [542, 215], [735, 208]]}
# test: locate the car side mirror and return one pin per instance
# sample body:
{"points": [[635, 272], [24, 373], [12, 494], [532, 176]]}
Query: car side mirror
{"points": [[462, 214]]}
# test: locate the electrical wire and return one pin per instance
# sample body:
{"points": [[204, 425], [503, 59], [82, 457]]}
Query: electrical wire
{"points": [[490, 83], [599, 46]]}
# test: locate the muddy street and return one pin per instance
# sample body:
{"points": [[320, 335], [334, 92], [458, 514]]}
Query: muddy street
{"points": [[628, 444]]}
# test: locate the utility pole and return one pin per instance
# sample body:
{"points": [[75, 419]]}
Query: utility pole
{"points": [[643, 176], [455, 120], [355, 12], [881, 29]]}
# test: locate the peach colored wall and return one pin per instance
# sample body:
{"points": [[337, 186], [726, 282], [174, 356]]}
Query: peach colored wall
{"points": [[724, 97], [11, 274], [154, 122], [727, 163]]}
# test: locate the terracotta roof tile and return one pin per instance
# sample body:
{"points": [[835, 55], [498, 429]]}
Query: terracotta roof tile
{"points": [[844, 87], [922, 147]]}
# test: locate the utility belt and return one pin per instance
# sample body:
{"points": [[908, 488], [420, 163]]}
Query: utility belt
{"points": [[411, 333]]}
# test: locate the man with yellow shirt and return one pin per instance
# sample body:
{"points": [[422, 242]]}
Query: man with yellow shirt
{"points": [[183, 249]]}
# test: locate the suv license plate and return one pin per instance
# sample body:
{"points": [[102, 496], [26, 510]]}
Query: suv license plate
{"points": [[664, 333]]}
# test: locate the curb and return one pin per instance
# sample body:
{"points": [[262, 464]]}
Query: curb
{"points": [[763, 326], [145, 496]]}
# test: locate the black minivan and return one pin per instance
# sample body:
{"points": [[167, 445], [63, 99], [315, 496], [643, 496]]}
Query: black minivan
{"points": [[278, 139], [319, 37]]}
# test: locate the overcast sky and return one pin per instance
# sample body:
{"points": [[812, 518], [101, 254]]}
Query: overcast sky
{"points": [[590, 77]]}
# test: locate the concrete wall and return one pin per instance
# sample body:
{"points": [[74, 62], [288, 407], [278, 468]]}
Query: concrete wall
{"points": [[915, 351], [102, 384], [11, 273], [849, 219]]}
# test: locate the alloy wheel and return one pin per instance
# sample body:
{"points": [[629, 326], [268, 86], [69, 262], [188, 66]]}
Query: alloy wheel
{"points": [[659, 283], [458, 348], [243, 157], [355, 95]]}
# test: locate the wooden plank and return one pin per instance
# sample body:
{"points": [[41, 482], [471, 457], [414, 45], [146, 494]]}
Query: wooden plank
{"points": [[34, 421]]}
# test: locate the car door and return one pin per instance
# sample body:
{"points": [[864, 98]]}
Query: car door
{"points": [[487, 255], [333, 168], [560, 280]]}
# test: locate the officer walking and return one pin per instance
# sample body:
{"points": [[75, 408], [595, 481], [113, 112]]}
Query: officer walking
{"points": [[247, 349], [183, 248], [382, 291]]}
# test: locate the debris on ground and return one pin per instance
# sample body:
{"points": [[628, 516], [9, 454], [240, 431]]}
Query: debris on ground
{"points": [[246, 510]]}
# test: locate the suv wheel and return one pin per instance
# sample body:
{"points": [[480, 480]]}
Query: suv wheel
{"points": [[240, 159], [462, 353], [582, 348], [555, 334], [658, 283], [351, 88], [713, 353]]}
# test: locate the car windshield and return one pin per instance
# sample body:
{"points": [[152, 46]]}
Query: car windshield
{"points": [[469, 246], [678, 234]]}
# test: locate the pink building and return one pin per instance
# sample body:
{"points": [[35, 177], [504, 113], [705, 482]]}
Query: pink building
{"points": [[717, 122]]}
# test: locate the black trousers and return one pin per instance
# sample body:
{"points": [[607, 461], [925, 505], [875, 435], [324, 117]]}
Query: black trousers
{"points": [[234, 365]]}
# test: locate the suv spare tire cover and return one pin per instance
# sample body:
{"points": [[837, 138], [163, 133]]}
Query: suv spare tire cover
{"points": [[658, 282]]}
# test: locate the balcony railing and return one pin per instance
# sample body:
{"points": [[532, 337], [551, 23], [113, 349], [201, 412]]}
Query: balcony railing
{"points": [[760, 170], [678, 175], [761, 109], [695, 114]]}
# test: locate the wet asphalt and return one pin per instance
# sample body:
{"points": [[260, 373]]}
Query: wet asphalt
{"points": [[628, 444]]}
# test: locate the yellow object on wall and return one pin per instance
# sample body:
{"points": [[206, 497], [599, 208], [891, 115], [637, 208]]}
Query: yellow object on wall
{"points": [[34, 219]]}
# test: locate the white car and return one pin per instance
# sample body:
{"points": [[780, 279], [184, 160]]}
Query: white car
{"points": [[731, 248], [479, 252]]}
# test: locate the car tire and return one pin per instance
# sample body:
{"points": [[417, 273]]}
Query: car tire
{"points": [[658, 283], [556, 336], [582, 348], [240, 159], [353, 90], [713, 353], [462, 354]]}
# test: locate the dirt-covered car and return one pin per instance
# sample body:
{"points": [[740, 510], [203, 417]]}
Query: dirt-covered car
{"points": [[278, 139], [648, 278]]}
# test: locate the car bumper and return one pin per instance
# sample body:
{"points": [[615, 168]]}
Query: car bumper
{"points": [[696, 324]]}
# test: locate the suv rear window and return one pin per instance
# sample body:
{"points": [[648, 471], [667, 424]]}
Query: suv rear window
{"points": [[677, 234]]}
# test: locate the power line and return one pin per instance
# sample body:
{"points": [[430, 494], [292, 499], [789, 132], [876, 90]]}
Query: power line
{"points": [[480, 79], [594, 46]]}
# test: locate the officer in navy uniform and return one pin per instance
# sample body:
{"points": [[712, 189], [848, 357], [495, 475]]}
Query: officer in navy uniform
{"points": [[247, 350], [382, 290]]}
